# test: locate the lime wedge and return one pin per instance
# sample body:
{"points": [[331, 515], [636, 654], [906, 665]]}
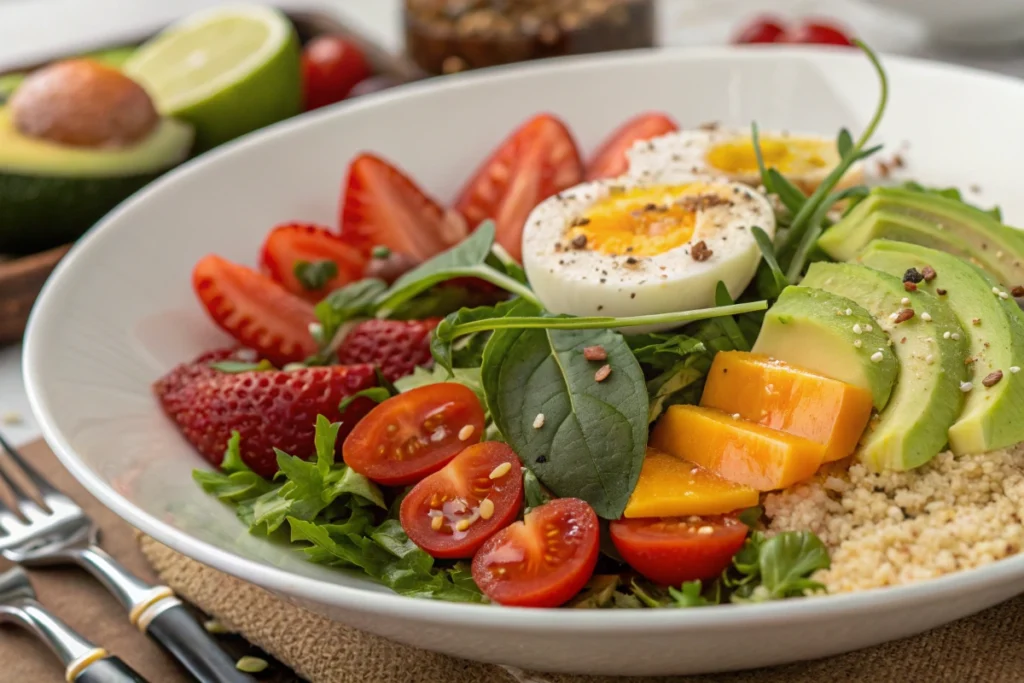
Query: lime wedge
{"points": [[226, 70]]}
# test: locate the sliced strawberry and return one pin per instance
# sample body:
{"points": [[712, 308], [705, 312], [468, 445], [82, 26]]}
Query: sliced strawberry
{"points": [[293, 243], [609, 161], [269, 409], [187, 373], [538, 160], [255, 310], [395, 346], [382, 206]]}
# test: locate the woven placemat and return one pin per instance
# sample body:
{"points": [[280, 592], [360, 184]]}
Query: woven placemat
{"points": [[986, 648]]}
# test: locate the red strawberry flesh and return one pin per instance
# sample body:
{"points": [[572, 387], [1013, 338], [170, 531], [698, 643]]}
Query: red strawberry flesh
{"points": [[395, 346]]}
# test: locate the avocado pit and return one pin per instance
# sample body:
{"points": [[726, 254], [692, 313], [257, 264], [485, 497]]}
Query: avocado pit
{"points": [[82, 103]]}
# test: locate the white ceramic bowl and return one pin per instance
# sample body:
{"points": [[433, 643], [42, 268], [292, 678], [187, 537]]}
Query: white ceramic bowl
{"points": [[119, 312]]}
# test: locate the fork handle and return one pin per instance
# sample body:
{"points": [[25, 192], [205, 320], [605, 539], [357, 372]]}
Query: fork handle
{"points": [[174, 627]]}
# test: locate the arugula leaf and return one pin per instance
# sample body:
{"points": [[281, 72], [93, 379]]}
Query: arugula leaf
{"points": [[691, 594], [355, 300], [669, 388], [533, 490], [769, 288], [597, 431], [788, 559], [235, 482], [375, 394], [466, 259], [236, 366], [751, 516], [421, 377], [728, 323], [315, 275], [599, 592]]}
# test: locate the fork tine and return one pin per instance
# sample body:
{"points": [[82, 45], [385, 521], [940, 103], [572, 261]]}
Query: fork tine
{"points": [[26, 505]]}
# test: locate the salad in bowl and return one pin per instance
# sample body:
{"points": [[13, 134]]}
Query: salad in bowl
{"points": [[702, 366]]}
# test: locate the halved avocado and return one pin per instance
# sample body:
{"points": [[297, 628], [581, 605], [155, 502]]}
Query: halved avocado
{"points": [[51, 193], [930, 220], [912, 429]]}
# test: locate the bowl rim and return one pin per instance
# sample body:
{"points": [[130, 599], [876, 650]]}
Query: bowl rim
{"points": [[384, 602]]}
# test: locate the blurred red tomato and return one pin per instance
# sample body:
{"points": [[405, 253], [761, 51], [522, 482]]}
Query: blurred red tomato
{"points": [[763, 29], [331, 67], [817, 33]]}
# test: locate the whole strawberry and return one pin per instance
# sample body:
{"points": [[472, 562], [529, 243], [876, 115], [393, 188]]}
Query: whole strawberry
{"points": [[395, 346], [270, 409]]}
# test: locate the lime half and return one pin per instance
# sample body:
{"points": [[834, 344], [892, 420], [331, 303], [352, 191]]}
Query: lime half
{"points": [[227, 71]]}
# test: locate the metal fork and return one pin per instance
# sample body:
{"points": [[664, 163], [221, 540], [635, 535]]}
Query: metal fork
{"points": [[83, 661], [58, 532]]}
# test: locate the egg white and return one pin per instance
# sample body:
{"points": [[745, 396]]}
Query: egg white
{"points": [[686, 151], [585, 282]]}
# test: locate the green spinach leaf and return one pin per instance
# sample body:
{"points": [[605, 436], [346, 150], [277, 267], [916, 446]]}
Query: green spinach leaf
{"points": [[594, 434], [787, 560], [315, 275]]}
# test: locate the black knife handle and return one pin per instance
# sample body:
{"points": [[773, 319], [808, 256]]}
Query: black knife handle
{"points": [[185, 638], [108, 670]]}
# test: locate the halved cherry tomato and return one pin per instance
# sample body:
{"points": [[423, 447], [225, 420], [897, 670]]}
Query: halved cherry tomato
{"points": [[817, 33], [292, 243], [542, 561], [538, 160], [452, 512], [380, 205], [610, 160], [763, 29], [414, 434], [671, 550], [331, 67], [255, 310]]}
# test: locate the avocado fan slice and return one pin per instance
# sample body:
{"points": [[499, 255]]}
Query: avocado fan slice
{"points": [[928, 397], [993, 416]]}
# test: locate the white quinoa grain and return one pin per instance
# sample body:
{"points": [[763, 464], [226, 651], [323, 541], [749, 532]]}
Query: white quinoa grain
{"points": [[858, 343], [868, 328], [1014, 369], [876, 357], [966, 386], [857, 329], [926, 316], [894, 528]]}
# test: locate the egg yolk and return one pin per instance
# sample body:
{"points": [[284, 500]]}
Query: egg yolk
{"points": [[787, 155], [644, 221]]}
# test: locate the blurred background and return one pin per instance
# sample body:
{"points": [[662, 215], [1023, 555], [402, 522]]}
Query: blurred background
{"points": [[346, 49]]}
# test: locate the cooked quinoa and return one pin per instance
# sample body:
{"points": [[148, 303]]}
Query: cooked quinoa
{"points": [[894, 528]]}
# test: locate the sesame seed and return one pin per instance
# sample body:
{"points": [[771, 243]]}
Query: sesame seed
{"points": [[463, 524], [876, 357], [955, 336], [995, 290], [868, 328], [926, 316], [993, 378], [857, 329], [466, 432], [1014, 369], [858, 343], [929, 359], [736, 416], [1004, 295], [945, 335], [705, 530], [602, 373], [538, 421], [966, 386], [437, 522], [905, 301], [486, 508], [500, 471], [849, 311]]}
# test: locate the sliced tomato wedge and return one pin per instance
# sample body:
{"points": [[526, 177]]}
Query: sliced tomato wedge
{"points": [[380, 205], [610, 160], [414, 434], [542, 561], [255, 310], [538, 160], [671, 550], [293, 244], [452, 512]]}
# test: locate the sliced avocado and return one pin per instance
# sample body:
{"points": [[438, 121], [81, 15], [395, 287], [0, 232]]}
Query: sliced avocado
{"points": [[931, 220], [992, 417], [912, 429], [50, 194], [829, 335]]}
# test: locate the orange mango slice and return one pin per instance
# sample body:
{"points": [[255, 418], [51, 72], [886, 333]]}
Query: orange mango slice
{"points": [[740, 451], [781, 396], [672, 487]]}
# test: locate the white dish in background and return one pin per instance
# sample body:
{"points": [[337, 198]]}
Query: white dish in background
{"points": [[119, 312], [981, 22]]}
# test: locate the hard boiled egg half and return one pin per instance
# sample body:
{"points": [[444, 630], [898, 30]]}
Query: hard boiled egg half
{"points": [[804, 160], [626, 247]]}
